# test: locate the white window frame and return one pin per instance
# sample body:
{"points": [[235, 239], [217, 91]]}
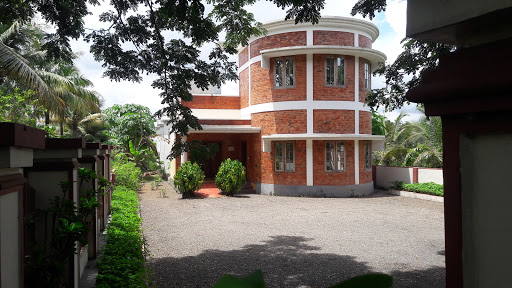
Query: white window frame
{"points": [[336, 84], [368, 155], [367, 76], [283, 73], [284, 161], [335, 157]]}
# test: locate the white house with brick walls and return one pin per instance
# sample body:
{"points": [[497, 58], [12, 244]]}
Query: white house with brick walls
{"points": [[299, 125]]}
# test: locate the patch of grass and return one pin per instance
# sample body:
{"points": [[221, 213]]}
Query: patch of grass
{"points": [[122, 262], [430, 188]]}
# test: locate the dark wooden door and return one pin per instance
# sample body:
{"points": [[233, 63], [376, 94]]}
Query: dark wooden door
{"points": [[211, 166]]}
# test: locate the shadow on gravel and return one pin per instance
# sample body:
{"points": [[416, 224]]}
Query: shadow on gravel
{"points": [[286, 261]]}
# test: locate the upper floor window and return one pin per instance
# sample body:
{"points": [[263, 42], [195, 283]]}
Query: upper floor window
{"points": [[367, 75], [334, 157], [284, 157], [284, 73], [334, 71], [368, 155]]}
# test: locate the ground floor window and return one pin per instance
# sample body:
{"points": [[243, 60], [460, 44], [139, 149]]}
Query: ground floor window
{"points": [[284, 156], [368, 155], [334, 156]]}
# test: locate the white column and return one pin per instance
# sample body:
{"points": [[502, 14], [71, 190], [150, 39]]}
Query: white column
{"points": [[356, 40], [309, 162], [356, 89], [184, 156], [356, 161], [249, 67], [309, 92]]}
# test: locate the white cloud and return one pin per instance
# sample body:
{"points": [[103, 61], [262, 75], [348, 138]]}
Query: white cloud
{"points": [[396, 16]]}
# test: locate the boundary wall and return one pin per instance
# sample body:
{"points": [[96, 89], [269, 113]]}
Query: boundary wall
{"points": [[384, 176]]}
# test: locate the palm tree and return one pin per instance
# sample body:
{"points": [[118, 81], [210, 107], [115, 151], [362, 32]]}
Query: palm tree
{"points": [[412, 144], [17, 43], [62, 90], [74, 89]]}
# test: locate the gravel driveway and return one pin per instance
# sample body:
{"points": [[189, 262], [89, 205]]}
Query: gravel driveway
{"points": [[297, 242]]}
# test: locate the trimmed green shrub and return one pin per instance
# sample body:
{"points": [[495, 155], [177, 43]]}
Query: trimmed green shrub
{"points": [[231, 177], [188, 179], [122, 262], [127, 174], [425, 188]]}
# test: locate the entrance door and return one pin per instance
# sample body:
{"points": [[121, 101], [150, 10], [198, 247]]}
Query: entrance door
{"points": [[211, 166]]}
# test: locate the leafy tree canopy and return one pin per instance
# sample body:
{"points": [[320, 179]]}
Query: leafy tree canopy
{"points": [[129, 122], [406, 72]]}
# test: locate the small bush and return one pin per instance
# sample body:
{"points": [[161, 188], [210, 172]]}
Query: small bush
{"points": [[231, 177], [188, 179], [127, 175], [122, 262], [425, 188]]}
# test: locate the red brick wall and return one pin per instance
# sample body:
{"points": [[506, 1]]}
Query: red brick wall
{"points": [[339, 38], [225, 122], [243, 85], [289, 94], [333, 121], [281, 122], [243, 57], [213, 102], [365, 122], [365, 176], [365, 42], [320, 177], [262, 91], [298, 177], [362, 92], [321, 92], [278, 40]]}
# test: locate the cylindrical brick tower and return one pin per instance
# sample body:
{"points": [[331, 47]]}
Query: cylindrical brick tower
{"points": [[304, 86]]}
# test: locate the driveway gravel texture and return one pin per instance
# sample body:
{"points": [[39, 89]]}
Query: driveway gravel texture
{"points": [[295, 241]]}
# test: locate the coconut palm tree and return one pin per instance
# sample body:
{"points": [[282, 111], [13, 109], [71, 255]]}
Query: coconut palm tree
{"points": [[62, 90], [17, 43], [412, 144], [74, 89]]}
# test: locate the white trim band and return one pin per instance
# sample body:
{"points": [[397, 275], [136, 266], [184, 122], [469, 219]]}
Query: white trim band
{"points": [[305, 105]]}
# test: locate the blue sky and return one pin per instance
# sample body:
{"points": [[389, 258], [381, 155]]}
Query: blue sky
{"points": [[391, 25]]}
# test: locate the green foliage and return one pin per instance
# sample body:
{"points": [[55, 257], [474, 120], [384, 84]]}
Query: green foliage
{"points": [[398, 185], [127, 174], [188, 179], [129, 122], [425, 188], [374, 280], [410, 144], [231, 177], [20, 107], [122, 262], [417, 58], [199, 152], [378, 124], [255, 280], [64, 224]]}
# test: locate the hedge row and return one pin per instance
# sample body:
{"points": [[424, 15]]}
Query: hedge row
{"points": [[122, 262], [425, 188]]}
